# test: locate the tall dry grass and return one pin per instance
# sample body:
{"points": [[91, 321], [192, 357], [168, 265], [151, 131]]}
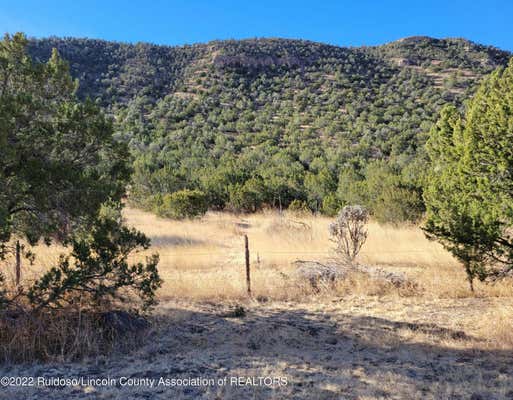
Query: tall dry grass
{"points": [[203, 259], [59, 335]]}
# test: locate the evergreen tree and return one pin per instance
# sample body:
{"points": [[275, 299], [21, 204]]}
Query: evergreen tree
{"points": [[58, 159], [60, 170], [469, 189]]}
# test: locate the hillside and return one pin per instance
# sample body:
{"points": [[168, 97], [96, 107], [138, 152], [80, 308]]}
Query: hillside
{"points": [[263, 122]]}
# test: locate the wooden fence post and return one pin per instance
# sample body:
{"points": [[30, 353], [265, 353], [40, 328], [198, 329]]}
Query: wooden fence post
{"points": [[18, 263], [248, 276]]}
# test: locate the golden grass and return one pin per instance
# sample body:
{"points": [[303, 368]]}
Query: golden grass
{"points": [[203, 259]]}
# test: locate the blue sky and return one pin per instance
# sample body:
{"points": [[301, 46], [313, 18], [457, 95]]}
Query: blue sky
{"points": [[346, 23]]}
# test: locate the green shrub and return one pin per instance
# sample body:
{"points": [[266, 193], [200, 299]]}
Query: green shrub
{"points": [[397, 205], [330, 205], [183, 204], [247, 197], [97, 271], [299, 207]]}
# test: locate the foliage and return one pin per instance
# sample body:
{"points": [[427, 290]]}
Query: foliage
{"points": [[62, 173], [469, 190], [299, 207], [349, 232], [247, 197], [97, 271], [182, 204], [385, 190], [264, 122], [330, 205], [58, 159]]}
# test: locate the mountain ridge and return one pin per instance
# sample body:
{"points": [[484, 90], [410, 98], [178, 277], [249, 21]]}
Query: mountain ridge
{"points": [[272, 55], [406, 39], [266, 122]]}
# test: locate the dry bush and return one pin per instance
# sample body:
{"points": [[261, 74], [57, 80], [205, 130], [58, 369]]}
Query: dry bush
{"points": [[65, 334], [362, 284], [349, 232]]}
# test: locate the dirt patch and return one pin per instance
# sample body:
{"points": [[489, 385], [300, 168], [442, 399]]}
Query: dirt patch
{"points": [[351, 348]]}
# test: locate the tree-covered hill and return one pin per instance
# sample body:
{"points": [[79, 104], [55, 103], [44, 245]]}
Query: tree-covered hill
{"points": [[245, 124]]}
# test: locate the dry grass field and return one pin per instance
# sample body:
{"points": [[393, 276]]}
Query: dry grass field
{"points": [[361, 339], [204, 259]]}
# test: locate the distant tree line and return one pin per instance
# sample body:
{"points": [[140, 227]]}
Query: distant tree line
{"points": [[244, 125]]}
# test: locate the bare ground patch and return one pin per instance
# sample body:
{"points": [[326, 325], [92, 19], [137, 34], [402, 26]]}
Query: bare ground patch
{"points": [[351, 348]]}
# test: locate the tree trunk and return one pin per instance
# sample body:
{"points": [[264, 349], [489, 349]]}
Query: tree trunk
{"points": [[470, 276], [471, 283]]}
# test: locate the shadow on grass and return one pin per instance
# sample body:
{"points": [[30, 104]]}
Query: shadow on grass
{"points": [[323, 355], [341, 356]]}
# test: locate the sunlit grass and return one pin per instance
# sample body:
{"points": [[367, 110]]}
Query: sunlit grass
{"points": [[203, 259]]}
